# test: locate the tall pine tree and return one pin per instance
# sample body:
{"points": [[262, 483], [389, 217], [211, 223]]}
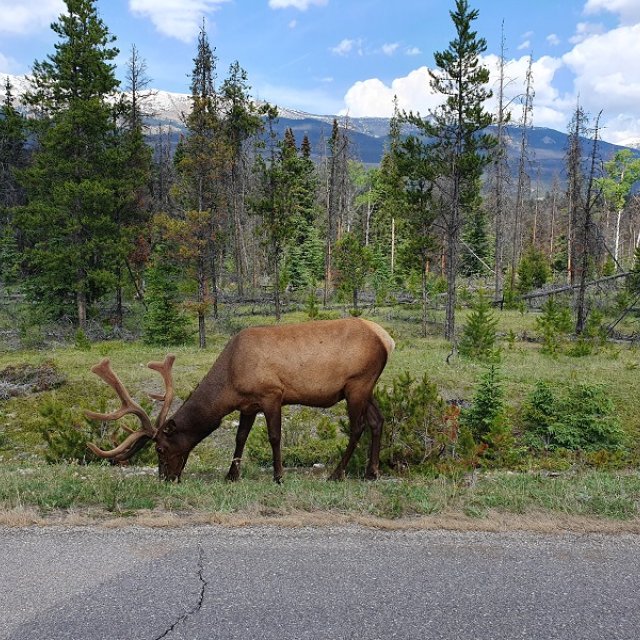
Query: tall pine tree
{"points": [[459, 146], [70, 220]]}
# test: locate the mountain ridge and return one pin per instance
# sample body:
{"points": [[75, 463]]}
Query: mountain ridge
{"points": [[368, 135]]}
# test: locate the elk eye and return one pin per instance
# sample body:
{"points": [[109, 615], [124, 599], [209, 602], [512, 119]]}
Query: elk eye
{"points": [[159, 449]]}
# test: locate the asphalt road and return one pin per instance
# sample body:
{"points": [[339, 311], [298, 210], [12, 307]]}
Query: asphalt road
{"points": [[325, 583]]}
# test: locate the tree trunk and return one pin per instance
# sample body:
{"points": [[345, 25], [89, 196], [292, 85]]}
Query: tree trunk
{"points": [[81, 300]]}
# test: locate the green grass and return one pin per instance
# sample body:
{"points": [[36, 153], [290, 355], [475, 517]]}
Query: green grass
{"points": [[25, 482], [54, 488]]}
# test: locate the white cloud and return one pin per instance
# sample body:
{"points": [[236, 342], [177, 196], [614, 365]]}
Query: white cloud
{"points": [[301, 5], [344, 47], [603, 64], [413, 51], [607, 74], [374, 98], [553, 39], [585, 30], [293, 24], [28, 16], [524, 45], [179, 19], [628, 10], [390, 49]]}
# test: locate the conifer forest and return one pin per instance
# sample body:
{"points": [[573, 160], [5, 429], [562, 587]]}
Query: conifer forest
{"points": [[113, 230]]}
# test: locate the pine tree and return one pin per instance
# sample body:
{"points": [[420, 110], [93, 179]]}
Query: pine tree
{"points": [[133, 210], [353, 263], [478, 339], [275, 199], [201, 164], [459, 145], [243, 121], [13, 157], [70, 221], [164, 322]]}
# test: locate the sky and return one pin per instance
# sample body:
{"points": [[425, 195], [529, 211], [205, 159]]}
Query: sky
{"points": [[336, 57]]}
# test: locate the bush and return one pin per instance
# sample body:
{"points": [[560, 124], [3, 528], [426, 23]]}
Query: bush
{"points": [[584, 418], [486, 419], [533, 271], [308, 437], [417, 425], [66, 433], [554, 324], [479, 333]]}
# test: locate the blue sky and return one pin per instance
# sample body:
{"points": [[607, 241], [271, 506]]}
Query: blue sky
{"points": [[352, 56]]}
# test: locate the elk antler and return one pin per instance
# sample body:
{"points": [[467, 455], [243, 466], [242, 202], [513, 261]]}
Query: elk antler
{"points": [[132, 442], [164, 369]]}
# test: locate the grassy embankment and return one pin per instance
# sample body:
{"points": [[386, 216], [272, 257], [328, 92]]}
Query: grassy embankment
{"points": [[31, 490]]}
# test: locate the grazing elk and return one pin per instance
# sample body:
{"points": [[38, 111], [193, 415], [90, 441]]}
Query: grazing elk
{"points": [[261, 369]]}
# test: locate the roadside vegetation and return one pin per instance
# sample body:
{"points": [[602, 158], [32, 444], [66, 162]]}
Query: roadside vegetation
{"points": [[518, 431], [513, 299]]}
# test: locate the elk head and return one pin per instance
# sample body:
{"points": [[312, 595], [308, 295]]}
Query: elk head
{"points": [[171, 457]]}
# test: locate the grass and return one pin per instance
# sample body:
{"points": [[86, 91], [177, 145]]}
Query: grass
{"points": [[45, 491], [104, 492]]}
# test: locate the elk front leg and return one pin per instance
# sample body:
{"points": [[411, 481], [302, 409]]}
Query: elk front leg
{"points": [[246, 422]]}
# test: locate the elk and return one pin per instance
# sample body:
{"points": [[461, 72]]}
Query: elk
{"points": [[260, 370]]}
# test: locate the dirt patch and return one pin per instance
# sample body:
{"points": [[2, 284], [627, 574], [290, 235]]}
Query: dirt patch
{"points": [[25, 379], [494, 522]]}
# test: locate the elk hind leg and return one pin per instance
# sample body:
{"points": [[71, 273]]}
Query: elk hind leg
{"points": [[375, 420], [356, 411], [273, 415]]}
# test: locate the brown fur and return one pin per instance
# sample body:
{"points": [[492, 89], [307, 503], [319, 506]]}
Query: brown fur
{"points": [[261, 369]]}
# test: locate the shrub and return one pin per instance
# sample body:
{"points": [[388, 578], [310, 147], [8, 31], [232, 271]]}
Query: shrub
{"points": [[417, 426], [584, 418], [486, 418], [479, 333], [66, 433], [554, 323], [308, 437], [533, 270]]}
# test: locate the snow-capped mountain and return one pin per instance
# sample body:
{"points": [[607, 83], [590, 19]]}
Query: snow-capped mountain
{"points": [[368, 136]]}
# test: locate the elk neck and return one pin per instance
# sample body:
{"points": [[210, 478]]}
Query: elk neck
{"points": [[202, 412]]}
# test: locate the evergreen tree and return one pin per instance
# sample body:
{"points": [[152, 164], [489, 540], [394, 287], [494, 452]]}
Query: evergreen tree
{"points": [[353, 263], [476, 253], [275, 199], [415, 163], [70, 220], [459, 146], [479, 333], [132, 186], [164, 322], [201, 163], [243, 121], [13, 157]]}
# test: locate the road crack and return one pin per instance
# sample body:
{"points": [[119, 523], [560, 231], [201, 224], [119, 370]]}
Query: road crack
{"points": [[198, 605]]}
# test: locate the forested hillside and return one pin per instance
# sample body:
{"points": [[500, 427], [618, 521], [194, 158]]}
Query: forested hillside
{"points": [[451, 226]]}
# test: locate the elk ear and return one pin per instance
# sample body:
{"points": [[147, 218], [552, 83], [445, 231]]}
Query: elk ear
{"points": [[169, 427]]}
